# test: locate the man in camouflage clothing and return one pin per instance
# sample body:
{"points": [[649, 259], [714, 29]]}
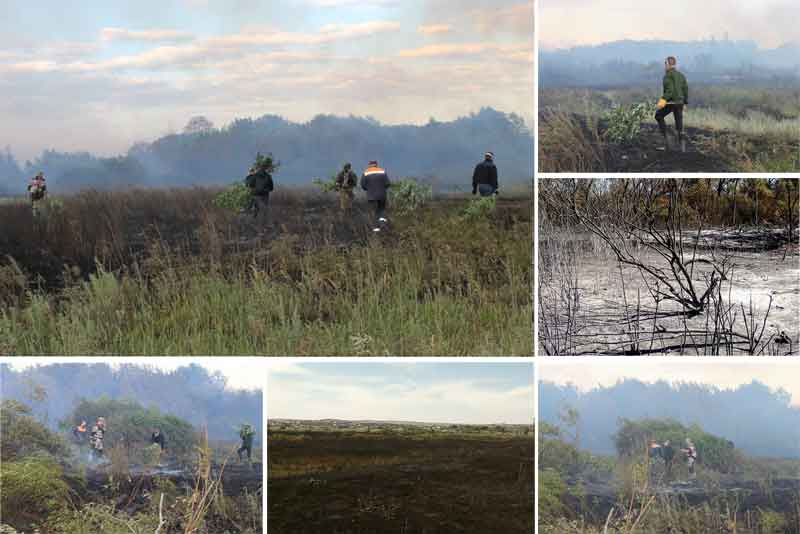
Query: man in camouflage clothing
{"points": [[346, 182], [97, 438], [259, 182], [246, 434]]}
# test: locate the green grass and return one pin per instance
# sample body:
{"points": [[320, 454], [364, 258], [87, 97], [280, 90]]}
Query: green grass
{"points": [[444, 284], [747, 111]]}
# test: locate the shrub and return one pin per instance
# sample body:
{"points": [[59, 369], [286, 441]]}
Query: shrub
{"points": [[625, 122], [409, 195], [32, 488], [22, 435], [236, 198], [326, 186], [712, 451], [480, 207], [128, 422]]}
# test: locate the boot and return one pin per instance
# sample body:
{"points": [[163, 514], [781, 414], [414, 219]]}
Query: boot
{"points": [[682, 141], [667, 144]]}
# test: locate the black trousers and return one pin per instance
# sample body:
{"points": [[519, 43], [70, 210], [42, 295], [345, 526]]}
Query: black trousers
{"points": [[661, 114], [245, 448], [379, 206]]}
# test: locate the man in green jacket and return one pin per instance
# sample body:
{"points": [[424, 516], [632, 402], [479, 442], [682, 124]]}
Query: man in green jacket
{"points": [[675, 97], [246, 434]]}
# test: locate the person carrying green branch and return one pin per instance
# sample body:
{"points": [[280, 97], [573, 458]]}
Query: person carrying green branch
{"points": [[259, 182], [246, 434], [673, 100]]}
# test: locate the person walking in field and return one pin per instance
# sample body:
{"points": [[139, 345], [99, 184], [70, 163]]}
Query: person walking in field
{"points": [[79, 432], [375, 181], [484, 178], [37, 191], [691, 456], [668, 453], [674, 98], [346, 182], [259, 182], [158, 437], [97, 438], [246, 434]]}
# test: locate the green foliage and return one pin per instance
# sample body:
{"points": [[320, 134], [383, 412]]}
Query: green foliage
{"points": [[305, 293], [551, 491], [32, 488], [772, 522], [625, 122], [408, 195], [130, 423], [480, 207], [267, 163], [326, 186], [22, 435], [713, 452], [98, 518], [236, 198]]}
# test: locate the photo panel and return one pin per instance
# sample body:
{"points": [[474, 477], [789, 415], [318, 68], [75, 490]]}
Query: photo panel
{"points": [[666, 444], [149, 444], [281, 178], [668, 266], [629, 86], [387, 447]]}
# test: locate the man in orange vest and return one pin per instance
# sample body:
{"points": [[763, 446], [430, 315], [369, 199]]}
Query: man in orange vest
{"points": [[375, 181], [79, 432]]}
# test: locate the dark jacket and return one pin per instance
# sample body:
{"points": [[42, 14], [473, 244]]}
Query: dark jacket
{"points": [[676, 88], [346, 180], [375, 181], [160, 439], [260, 183], [485, 173]]}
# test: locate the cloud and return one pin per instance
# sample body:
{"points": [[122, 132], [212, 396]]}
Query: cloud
{"points": [[348, 3], [148, 36], [466, 49], [516, 19], [434, 29], [327, 34], [393, 393]]}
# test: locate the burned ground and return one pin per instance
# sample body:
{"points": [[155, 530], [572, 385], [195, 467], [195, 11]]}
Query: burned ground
{"points": [[707, 150], [422, 482], [305, 280]]}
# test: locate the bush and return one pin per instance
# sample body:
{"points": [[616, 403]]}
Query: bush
{"points": [[625, 122], [712, 452], [32, 488], [95, 518], [480, 207], [326, 186], [409, 195], [130, 423], [236, 198], [22, 435]]}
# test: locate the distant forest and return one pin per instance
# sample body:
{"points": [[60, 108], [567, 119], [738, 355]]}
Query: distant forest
{"points": [[443, 153], [622, 63], [759, 421], [191, 393]]}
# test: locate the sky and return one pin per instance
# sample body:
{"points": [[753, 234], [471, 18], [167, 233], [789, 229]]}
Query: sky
{"points": [[567, 23], [242, 373], [447, 392], [589, 374], [109, 74]]}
